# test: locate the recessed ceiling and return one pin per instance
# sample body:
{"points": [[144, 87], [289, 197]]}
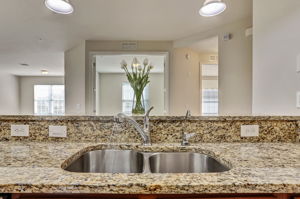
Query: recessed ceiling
{"points": [[32, 34]]}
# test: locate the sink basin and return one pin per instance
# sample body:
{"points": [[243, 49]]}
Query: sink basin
{"points": [[184, 163], [129, 161], [108, 161]]}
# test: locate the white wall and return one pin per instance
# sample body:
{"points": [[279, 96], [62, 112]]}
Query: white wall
{"points": [[9, 89], [235, 70], [235, 66], [110, 93], [156, 93], [75, 80], [276, 47], [27, 90], [185, 82]]}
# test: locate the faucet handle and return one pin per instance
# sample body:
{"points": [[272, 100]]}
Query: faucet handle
{"points": [[120, 118], [188, 114], [117, 119], [186, 137]]}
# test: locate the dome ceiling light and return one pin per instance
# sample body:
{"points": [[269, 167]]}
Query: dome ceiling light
{"points": [[60, 6], [212, 8]]}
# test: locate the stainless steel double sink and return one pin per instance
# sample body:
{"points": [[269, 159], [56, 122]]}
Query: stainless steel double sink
{"points": [[130, 161]]}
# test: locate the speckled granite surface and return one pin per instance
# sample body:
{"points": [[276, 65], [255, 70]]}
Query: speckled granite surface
{"points": [[33, 167], [163, 129]]}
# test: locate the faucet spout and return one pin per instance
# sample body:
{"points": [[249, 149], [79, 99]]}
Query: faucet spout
{"points": [[143, 131]]}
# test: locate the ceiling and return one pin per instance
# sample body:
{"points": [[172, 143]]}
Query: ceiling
{"points": [[111, 63], [32, 34]]}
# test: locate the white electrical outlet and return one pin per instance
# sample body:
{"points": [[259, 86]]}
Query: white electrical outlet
{"points": [[298, 99], [19, 130], [249, 130], [58, 131]]}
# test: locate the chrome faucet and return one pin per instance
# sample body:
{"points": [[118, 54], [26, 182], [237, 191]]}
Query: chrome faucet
{"points": [[187, 136], [143, 131], [188, 115]]}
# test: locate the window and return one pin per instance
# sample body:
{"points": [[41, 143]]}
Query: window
{"points": [[210, 70], [210, 99], [49, 99], [210, 102], [127, 97]]}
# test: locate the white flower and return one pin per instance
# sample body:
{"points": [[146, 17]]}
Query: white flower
{"points": [[135, 63], [123, 64], [146, 62]]}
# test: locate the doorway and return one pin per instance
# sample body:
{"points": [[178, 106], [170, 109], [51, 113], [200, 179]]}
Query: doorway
{"points": [[112, 91], [207, 50]]}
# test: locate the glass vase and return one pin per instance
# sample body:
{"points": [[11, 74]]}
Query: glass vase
{"points": [[138, 107]]}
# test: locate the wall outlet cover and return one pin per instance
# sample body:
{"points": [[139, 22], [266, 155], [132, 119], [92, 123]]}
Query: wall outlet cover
{"points": [[19, 130], [58, 131], [249, 130]]}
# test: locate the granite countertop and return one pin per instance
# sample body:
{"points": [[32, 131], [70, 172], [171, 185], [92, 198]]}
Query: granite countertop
{"points": [[153, 118], [35, 167]]}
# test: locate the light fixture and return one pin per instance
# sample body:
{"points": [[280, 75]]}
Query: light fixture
{"points": [[59, 6], [212, 8], [44, 72]]}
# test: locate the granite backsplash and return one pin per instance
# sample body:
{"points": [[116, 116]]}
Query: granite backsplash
{"points": [[163, 129]]}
